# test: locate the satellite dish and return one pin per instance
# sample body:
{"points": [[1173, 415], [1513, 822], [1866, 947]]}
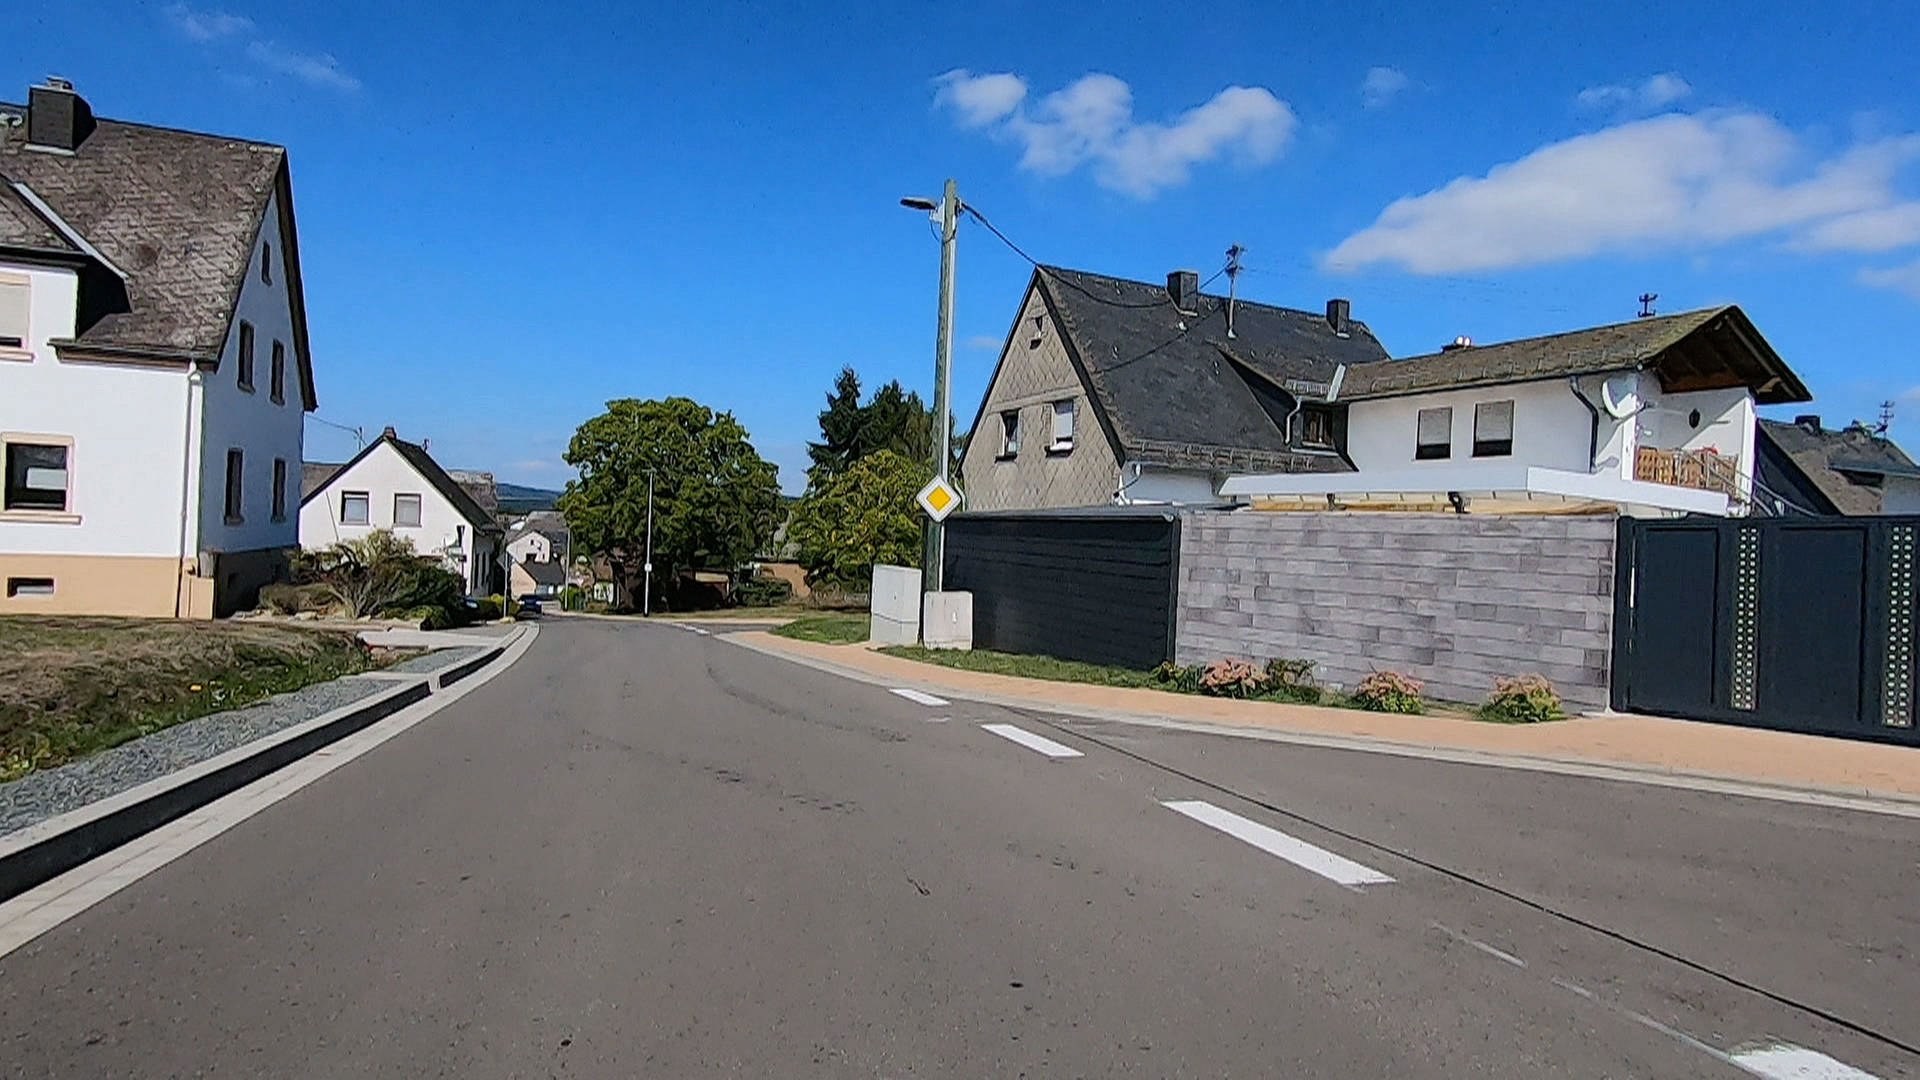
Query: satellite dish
{"points": [[1621, 395]]}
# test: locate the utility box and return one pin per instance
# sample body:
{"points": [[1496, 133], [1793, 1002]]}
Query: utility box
{"points": [[895, 606], [949, 620]]}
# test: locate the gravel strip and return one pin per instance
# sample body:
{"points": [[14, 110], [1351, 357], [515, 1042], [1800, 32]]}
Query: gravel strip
{"points": [[41, 795], [437, 659]]}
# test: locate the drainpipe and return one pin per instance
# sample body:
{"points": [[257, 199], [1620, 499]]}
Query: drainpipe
{"points": [[1593, 430], [186, 491]]}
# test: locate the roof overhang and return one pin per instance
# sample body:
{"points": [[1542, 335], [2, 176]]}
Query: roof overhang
{"points": [[1728, 351], [86, 352], [1426, 488]]}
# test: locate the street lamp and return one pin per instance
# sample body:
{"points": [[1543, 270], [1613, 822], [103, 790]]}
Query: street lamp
{"points": [[948, 209], [646, 568]]}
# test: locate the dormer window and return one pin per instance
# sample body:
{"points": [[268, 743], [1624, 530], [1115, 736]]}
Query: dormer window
{"points": [[1316, 428]]}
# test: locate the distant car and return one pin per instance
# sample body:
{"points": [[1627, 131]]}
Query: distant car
{"points": [[529, 605]]}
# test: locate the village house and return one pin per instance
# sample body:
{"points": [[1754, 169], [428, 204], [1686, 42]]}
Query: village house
{"points": [[155, 364], [394, 484]]}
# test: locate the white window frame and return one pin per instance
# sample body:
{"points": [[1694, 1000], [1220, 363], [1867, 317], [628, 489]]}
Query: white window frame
{"points": [[24, 586], [419, 509], [1009, 434], [1069, 408], [1307, 413], [366, 499], [64, 513], [1421, 447], [22, 351], [1490, 447]]}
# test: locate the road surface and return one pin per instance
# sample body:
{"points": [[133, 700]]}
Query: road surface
{"points": [[642, 851]]}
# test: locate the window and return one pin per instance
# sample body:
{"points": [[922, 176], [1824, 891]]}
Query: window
{"points": [[1063, 413], [1010, 434], [279, 489], [246, 356], [29, 586], [1316, 428], [1493, 429], [266, 264], [406, 510], [36, 476], [277, 376], [13, 312], [1435, 435], [236, 487], [354, 507]]}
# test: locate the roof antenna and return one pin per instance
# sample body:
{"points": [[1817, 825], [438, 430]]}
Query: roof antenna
{"points": [[1233, 282], [1646, 304], [1886, 419]]}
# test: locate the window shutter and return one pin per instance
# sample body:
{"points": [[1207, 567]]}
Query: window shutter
{"points": [[1436, 427], [1493, 421], [1063, 423], [13, 313]]}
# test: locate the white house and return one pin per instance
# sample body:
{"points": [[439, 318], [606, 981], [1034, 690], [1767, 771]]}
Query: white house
{"points": [[394, 484], [154, 365]]}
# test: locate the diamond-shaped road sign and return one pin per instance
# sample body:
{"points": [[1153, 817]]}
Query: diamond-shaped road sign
{"points": [[938, 499]]}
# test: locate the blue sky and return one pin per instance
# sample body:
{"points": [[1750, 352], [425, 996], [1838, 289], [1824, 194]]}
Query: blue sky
{"points": [[511, 213]]}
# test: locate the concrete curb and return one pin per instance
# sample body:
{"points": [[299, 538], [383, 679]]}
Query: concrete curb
{"points": [[1865, 800], [47, 849]]}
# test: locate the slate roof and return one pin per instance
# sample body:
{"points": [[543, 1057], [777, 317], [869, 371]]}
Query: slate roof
{"points": [[176, 211], [423, 463], [545, 573], [1178, 396], [1825, 457], [315, 474], [1613, 347]]}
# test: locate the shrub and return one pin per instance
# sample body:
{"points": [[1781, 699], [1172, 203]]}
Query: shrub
{"points": [[378, 573], [1292, 680], [484, 609], [1390, 692], [1524, 699], [428, 616], [1185, 680], [1233, 678], [763, 592], [287, 599]]}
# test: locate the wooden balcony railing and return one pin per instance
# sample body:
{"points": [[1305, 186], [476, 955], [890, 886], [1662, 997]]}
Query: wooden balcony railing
{"points": [[1707, 470]]}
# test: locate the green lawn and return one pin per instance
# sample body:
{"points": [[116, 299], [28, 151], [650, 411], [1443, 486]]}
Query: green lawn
{"points": [[70, 687], [844, 628], [1029, 667]]}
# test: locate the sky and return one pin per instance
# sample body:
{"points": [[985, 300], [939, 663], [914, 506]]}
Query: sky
{"points": [[512, 213]]}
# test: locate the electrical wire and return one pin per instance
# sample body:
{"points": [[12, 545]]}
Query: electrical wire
{"points": [[1053, 275], [357, 433]]}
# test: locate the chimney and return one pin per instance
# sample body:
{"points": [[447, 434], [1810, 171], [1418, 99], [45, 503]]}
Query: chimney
{"points": [[1183, 286], [1810, 421], [388, 432], [1461, 342], [1339, 314], [57, 118]]}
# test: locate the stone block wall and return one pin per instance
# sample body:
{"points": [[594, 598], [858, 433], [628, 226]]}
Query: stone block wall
{"points": [[1452, 599]]}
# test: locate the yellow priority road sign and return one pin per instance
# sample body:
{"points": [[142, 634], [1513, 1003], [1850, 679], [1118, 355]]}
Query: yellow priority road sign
{"points": [[938, 499]]}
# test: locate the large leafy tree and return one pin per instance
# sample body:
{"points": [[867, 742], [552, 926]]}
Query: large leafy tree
{"points": [[862, 516], [715, 500]]}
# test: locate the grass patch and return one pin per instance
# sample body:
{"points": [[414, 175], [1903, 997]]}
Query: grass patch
{"points": [[1027, 667], [70, 687], [846, 628]]}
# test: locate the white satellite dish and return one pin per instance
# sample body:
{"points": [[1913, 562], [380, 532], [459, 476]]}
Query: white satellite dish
{"points": [[1621, 395]]}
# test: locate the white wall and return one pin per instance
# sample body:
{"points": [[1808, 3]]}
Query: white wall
{"points": [[1155, 484], [382, 474], [1550, 429], [252, 421], [530, 545], [129, 431]]}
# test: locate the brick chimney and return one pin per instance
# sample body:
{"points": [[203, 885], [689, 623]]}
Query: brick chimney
{"points": [[57, 118]]}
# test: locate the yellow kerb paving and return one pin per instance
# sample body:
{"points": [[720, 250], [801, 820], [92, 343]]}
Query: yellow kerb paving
{"points": [[1629, 741]]}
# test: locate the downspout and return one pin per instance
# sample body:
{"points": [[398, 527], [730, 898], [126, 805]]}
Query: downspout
{"points": [[1593, 430], [186, 489]]}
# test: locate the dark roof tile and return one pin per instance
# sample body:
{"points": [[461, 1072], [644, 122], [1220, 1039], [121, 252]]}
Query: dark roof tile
{"points": [[1826, 456]]}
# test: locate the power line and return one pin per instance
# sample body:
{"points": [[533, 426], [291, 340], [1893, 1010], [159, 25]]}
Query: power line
{"points": [[1069, 282], [358, 433]]}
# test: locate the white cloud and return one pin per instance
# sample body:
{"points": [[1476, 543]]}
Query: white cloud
{"points": [[1650, 94], [318, 69], [1677, 181], [205, 25], [1091, 122], [1905, 279], [1381, 86], [1886, 228]]}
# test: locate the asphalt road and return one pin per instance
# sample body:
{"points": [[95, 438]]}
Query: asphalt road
{"points": [[647, 852]]}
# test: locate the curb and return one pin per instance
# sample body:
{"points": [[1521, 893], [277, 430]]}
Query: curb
{"points": [[47, 849], [1866, 800]]}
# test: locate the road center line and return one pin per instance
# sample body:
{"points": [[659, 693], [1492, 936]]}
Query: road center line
{"points": [[1031, 741], [1334, 868], [1784, 1061], [919, 698]]}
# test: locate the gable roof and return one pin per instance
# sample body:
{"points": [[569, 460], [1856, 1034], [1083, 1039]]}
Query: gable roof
{"points": [[1691, 350], [1172, 388], [544, 573], [422, 462], [1824, 457], [315, 474], [173, 214]]}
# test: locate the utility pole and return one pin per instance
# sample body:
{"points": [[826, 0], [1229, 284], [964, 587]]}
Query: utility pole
{"points": [[646, 569], [942, 378]]}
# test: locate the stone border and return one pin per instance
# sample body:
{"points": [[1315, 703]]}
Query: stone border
{"points": [[47, 849]]}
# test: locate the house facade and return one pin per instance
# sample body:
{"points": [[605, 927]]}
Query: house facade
{"points": [[1803, 467], [396, 485], [155, 362]]}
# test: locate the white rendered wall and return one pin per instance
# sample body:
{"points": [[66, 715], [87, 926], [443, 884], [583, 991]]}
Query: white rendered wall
{"points": [[382, 474]]}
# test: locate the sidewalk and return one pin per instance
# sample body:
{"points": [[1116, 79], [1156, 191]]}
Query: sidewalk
{"points": [[1635, 746]]}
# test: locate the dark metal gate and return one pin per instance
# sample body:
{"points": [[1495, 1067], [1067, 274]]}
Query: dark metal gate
{"points": [[1797, 624], [1094, 585]]}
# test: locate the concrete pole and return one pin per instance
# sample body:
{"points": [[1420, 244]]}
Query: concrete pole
{"points": [[646, 598], [935, 550]]}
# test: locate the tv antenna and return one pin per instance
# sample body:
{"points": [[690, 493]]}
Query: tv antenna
{"points": [[1646, 304], [1233, 281]]}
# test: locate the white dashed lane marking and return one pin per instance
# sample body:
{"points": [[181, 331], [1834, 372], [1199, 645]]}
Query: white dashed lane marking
{"points": [[1784, 1061], [1334, 868], [919, 698], [1032, 742]]}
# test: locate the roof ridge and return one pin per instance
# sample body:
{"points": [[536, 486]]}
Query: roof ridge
{"points": [[102, 121], [1706, 311], [1048, 268]]}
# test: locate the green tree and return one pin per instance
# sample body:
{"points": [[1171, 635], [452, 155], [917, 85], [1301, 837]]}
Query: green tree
{"points": [[894, 418], [715, 500], [841, 424], [864, 515]]}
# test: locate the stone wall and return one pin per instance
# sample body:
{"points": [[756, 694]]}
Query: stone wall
{"points": [[1452, 599]]}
